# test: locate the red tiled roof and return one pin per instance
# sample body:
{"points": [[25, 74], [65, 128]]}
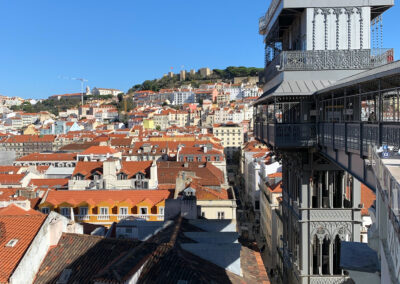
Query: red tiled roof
{"points": [[49, 157], [49, 182], [99, 150], [75, 197], [276, 188], [11, 178], [367, 198], [132, 168], [208, 174], [16, 224], [30, 139], [9, 169], [87, 168]]}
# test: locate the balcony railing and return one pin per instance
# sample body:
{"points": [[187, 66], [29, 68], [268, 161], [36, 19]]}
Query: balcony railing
{"points": [[357, 137], [284, 135], [107, 217], [264, 20], [103, 217], [349, 137], [316, 60], [328, 279]]}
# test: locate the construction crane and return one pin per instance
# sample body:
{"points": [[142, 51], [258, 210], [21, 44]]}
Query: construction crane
{"points": [[82, 82]]}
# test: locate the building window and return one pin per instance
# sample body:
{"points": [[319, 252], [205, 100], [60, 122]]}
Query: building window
{"points": [[65, 211], [122, 176], [83, 211], [161, 210], [257, 205], [143, 210], [203, 214], [103, 210], [45, 210], [221, 215], [123, 211]]}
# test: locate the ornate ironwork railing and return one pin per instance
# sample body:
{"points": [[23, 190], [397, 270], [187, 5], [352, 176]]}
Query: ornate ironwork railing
{"points": [[262, 24], [313, 60], [268, 16]]}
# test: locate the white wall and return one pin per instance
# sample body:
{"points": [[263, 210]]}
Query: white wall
{"points": [[49, 234]]}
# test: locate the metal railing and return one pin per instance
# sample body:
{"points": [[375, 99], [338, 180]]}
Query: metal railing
{"points": [[315, 60], [358, 137], [105, 217], [287, 135], [264, 20], [350, 137]]}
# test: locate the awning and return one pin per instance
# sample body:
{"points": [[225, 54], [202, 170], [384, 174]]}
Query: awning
{"points": [[295, 88]]}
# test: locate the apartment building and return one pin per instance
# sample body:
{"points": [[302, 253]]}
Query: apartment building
{"points": [[105, 92], [106, 206], [231, 136], [114, 174], [27, 144]]}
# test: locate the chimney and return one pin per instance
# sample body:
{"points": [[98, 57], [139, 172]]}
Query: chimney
{"points": [[205, 149]]}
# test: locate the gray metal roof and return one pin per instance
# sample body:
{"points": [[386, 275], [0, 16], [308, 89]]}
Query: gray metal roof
{"points": [[366, 76], [295, 88]]}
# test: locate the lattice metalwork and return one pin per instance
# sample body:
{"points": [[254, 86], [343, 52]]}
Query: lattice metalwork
{"points": [[314, 60]]}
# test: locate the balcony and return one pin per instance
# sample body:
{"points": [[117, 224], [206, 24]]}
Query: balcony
{"points": [[82, 217], [117, 217], [103, 217], [265, 20], [316, 60], [288, 135]]}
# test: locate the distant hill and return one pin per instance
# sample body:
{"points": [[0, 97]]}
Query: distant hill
{"points": [[225, 75]]}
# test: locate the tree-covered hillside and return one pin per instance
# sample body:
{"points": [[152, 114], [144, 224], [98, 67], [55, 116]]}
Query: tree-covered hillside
{"points": [[226, 75]]}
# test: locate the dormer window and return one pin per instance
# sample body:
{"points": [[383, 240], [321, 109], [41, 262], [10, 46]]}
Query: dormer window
{"points": [[96, 176], [79, 177], [140, 176], [122, 176]]}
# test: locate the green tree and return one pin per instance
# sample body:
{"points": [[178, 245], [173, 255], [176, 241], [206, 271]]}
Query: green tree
{"points": [[158, 127]]}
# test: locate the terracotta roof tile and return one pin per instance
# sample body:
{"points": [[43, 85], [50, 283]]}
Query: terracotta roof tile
{"points": [[367, 198], [99, 150], [96, 196], [16, 223]]}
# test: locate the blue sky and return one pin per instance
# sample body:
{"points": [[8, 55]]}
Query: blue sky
{"points": [[118, 43]]}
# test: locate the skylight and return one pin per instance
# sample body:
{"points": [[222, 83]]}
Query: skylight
{"points": [[12, 243]]}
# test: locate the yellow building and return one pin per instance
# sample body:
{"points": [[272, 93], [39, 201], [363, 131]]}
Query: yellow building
{"points": [[103, 207], [148, 124], [31, 130]]}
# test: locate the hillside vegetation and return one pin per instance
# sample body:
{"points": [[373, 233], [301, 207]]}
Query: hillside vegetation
{"points": [[224, 75]]}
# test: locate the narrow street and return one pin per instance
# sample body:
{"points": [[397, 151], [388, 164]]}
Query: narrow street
{"points": [[248, 229]]}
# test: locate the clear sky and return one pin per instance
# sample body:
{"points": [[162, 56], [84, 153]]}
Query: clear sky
{"points": [[119, 43]]}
